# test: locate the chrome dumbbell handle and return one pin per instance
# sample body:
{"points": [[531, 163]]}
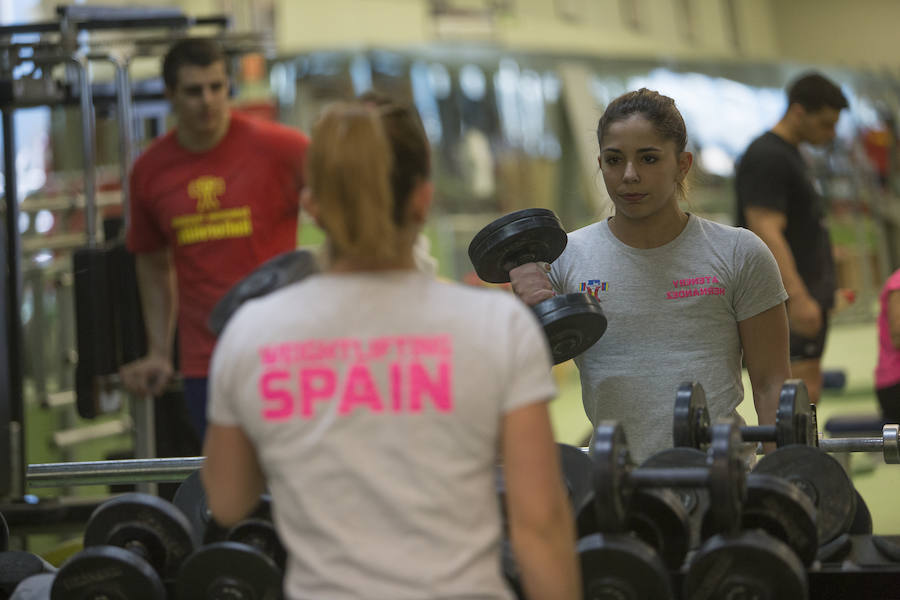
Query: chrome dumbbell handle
{"points": [[888, 444]]}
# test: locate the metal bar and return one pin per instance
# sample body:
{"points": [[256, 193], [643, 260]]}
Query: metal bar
{"points": [[758, 433], [870, 444], [13, 300], [669, 477], [87, 148], [107, 472]]}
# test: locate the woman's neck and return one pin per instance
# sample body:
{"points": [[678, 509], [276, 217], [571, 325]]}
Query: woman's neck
{"points": [[353, 265], [649, 232]]}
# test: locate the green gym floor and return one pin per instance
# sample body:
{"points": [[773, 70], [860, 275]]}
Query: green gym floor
{"points": [[850, 347]]}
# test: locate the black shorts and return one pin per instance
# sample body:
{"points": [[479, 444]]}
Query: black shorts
{"points": [[804, 348]]}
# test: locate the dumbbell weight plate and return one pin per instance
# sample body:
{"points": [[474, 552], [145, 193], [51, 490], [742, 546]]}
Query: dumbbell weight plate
{"points": [[156, 523], [623, 567], [691, 417], [229, 570], [260, 534], [822, 478], [727, 477], [523, 236], [572, 323], [107, 572], [780, 509], [612, 464], [578, 472], [694, 500], [4, 534], [658, 517], [190, 498], [794, 422], [18, 565], [750, 564], [275, 273]]}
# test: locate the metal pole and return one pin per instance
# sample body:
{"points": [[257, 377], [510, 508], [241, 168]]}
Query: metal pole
{"points": [[14, 343], [106, 472], [87, 149]]}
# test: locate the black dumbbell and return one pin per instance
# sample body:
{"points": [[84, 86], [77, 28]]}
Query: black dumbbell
{"points": [[572, 322], [617, 564], [235, 569], [134, 546], [795, 421]]}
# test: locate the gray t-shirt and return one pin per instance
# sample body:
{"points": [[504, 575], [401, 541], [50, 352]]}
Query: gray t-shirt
{"points": [[673, 314], [375, 403]]}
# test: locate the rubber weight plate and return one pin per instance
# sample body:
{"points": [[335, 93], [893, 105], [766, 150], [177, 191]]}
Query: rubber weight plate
{"points": [[4, 534], [229, 570], [751, 564], [523, 236], [260, 534], [572, 323], [690, 424], [783, 511], [727, 477], [822, 479], [578, 473], [190, 498], [658, 517], [107, 572], [621, 567], [794, 422], [695, 500], [273, 274], [155, 525], [612, 463]]}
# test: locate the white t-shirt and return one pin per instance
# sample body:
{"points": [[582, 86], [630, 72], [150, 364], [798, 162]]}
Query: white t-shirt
{"points": [[375, 403], [673, 315]]}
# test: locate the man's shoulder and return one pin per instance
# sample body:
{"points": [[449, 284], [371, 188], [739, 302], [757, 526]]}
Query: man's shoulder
{"points": [[160, 152], [268, 131]]}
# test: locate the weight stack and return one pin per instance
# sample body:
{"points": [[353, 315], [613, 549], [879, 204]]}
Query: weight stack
{"points": [[94, 327]]}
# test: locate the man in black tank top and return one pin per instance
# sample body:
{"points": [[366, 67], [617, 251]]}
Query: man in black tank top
{"points": [[776, 199]]}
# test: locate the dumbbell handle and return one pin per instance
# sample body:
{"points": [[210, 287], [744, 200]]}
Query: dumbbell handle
{"points": [[887, 444], [669, 477], [758, 433]]}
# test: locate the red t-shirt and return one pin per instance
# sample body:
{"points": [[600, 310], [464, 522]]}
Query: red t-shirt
{"points": [[222, 212]]}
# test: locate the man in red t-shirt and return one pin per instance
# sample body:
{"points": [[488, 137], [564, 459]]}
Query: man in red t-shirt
{"points": [[210, 201]]}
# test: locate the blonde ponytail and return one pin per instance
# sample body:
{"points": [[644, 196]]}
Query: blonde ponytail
{"points": [[349, 169]]}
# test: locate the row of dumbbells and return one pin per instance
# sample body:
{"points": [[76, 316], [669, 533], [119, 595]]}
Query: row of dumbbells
{"points": [[687, 511], [141, 547]]}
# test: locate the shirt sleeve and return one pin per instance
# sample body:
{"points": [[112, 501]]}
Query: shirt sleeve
{"points": [[763, 181], [758, 283], [221, 407], [144, 233], [529, 376]]}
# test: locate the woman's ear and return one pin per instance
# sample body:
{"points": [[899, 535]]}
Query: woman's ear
{"points": [[685, 160]]}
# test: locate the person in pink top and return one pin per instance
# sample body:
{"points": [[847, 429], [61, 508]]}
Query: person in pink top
{"points": [[887, 372]]}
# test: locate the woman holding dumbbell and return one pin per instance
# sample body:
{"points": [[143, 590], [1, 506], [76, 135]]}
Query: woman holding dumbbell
{"points": [[367, 401], [685, 298]]}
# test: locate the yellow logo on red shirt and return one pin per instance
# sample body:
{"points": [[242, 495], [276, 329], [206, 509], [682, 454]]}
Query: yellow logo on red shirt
{"points": [[211, 222], [206, 190]]}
